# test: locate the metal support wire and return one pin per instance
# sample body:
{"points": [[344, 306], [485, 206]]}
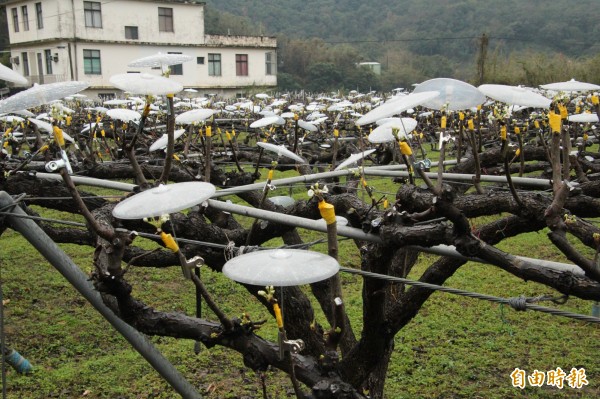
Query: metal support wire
{"points": [[516, 303]]}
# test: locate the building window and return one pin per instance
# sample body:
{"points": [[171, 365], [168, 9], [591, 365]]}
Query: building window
{"points": [[200, 60], [93, 14], [38, 15], [176, 69], [131, 32], [270, 63], [25, 59], [241, 64], [165, 19], [48, 58], [214, 65], [15, 17], [25, 14], [91, 62]]}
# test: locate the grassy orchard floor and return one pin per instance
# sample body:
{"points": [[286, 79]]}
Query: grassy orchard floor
{"points": [[455, 348]]}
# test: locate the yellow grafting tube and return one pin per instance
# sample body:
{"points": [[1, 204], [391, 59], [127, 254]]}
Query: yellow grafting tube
{"points": [[233, 132], [363, 182], [44, 148], [89, 116], [563, 111], [536, 124], [278, 317], [58, 136], [69, 118], [7, 132], [595, 100], [555, 122], [518, 152], [175, 157], [327, 211], [503, 133], [169, 241], [585, 136], [170, 95], [386, 203], [146, 109], [208, 131], [405, 148], [270, 174], [461, 116], [102, 132], [228, 135], [98, 119], [577, 109], [443, 122], [517, 130], [336, 133], [296, 117], [470, 124]]}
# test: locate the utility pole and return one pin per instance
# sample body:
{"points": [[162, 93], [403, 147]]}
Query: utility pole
{"points": [[483, 45]]}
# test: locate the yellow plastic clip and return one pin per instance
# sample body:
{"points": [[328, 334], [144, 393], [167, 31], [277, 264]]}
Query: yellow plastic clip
{"points": [[175, 157], [536, 124], [470, 124], [169, 241], [208, 131], [517, 130], [170, 95], [585, 136], [443, 122], [518, 152], [69, 119], [595, 100], [98, 119], [58, 136], [103, 133], [336, 133], [278, 317], [563, 111], [461, 116], [228, 135], [405, 148], [44, 148], [327, 211], [270, 174], [386, 203], [555, 121], [503, 133]]}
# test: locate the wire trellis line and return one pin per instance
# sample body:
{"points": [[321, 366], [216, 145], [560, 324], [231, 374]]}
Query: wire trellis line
{"points": [[518, 303]]}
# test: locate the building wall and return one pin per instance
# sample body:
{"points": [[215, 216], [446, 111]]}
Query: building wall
{"points": [[114, 60], [65, 37]]}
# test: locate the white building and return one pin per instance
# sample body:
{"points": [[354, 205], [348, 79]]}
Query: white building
{"points": [[62, 40]]}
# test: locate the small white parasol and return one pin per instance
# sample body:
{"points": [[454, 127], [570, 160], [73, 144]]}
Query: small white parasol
{"points": [[11, 76], [145, 83], [40, 95], [163, 199], [164, 140], [268, 120], [396, 106], [122, 114], [193, 116], [160, 60], [455, 95], [514, 95], [281, 151], [354, 158], [281, 267], [583, 118], [571, 85]]}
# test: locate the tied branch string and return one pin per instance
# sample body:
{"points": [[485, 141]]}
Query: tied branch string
{"points": [[518, 303]]}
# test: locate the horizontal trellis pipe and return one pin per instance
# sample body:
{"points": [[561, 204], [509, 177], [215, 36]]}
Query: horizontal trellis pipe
{"points": [[358, 234], [61, 261], [90, 181]]}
